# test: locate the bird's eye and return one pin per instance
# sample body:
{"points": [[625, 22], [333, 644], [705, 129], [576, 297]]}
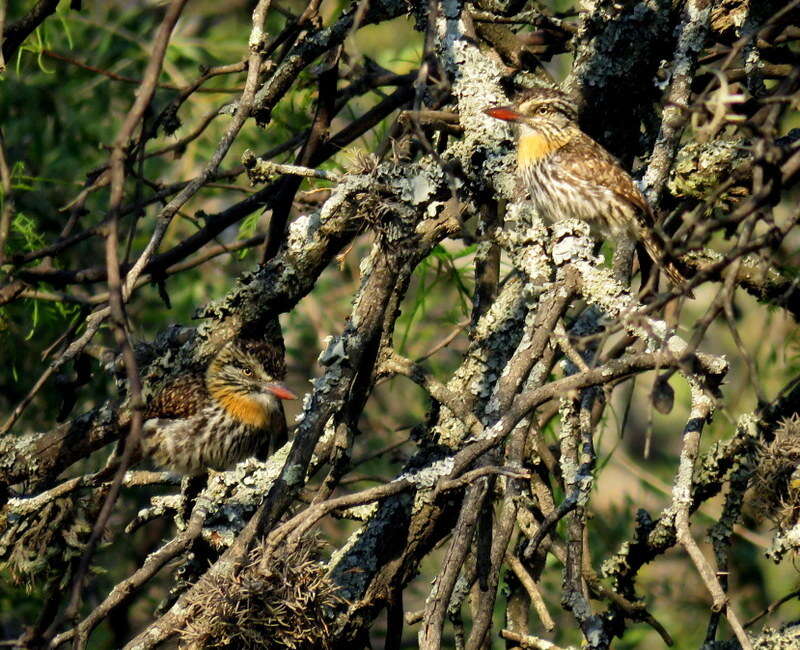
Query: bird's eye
{"points": [[247, 371], [542, 110]]}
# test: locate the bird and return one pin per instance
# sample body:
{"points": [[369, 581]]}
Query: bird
{"points": [[214, 419], [569, 175]]}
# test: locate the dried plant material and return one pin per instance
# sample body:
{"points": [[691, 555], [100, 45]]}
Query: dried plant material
{"points": [[775, 488], [401, 149], [41, 545], [718, 110], [282, 601], [361, 162], [728, 17]]}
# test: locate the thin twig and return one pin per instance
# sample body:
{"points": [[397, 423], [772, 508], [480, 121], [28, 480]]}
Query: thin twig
{"points": [[533, 591], [128, 80]]}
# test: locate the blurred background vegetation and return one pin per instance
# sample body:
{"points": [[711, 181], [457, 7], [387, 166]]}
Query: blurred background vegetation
{"points": [[61, 102]]}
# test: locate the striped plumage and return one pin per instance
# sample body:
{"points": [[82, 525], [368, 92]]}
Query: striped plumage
{"points": [[214, 420], [569, 175]]}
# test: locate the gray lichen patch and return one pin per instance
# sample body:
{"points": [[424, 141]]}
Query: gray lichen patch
{"points": [[233, 496], [785, 638], [13, 449], [524, 238], [485, 150], [302, 230], [427, 477], [572, 242]]}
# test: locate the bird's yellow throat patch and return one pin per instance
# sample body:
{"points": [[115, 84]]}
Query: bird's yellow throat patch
{"points": [[242, 409], [532, 147]]}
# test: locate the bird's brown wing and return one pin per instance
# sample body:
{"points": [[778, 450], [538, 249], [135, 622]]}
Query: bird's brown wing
{"points": [[587, 161], [180, 398]]}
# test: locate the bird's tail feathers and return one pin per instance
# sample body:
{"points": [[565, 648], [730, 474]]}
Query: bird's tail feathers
{"points": [[657, 250]]}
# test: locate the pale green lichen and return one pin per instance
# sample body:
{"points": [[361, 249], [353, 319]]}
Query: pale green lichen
{"points": [[700, 168]]}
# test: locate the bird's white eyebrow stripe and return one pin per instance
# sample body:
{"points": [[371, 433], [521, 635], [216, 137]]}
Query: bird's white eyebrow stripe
{"points": [[559, 103]]}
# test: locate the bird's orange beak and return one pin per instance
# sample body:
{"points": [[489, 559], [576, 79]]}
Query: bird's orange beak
{"points": [[281, 391], [505, 113]]}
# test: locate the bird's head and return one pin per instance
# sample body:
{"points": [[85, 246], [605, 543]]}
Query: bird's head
{"points": [[236, 373], [539, 111]]}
